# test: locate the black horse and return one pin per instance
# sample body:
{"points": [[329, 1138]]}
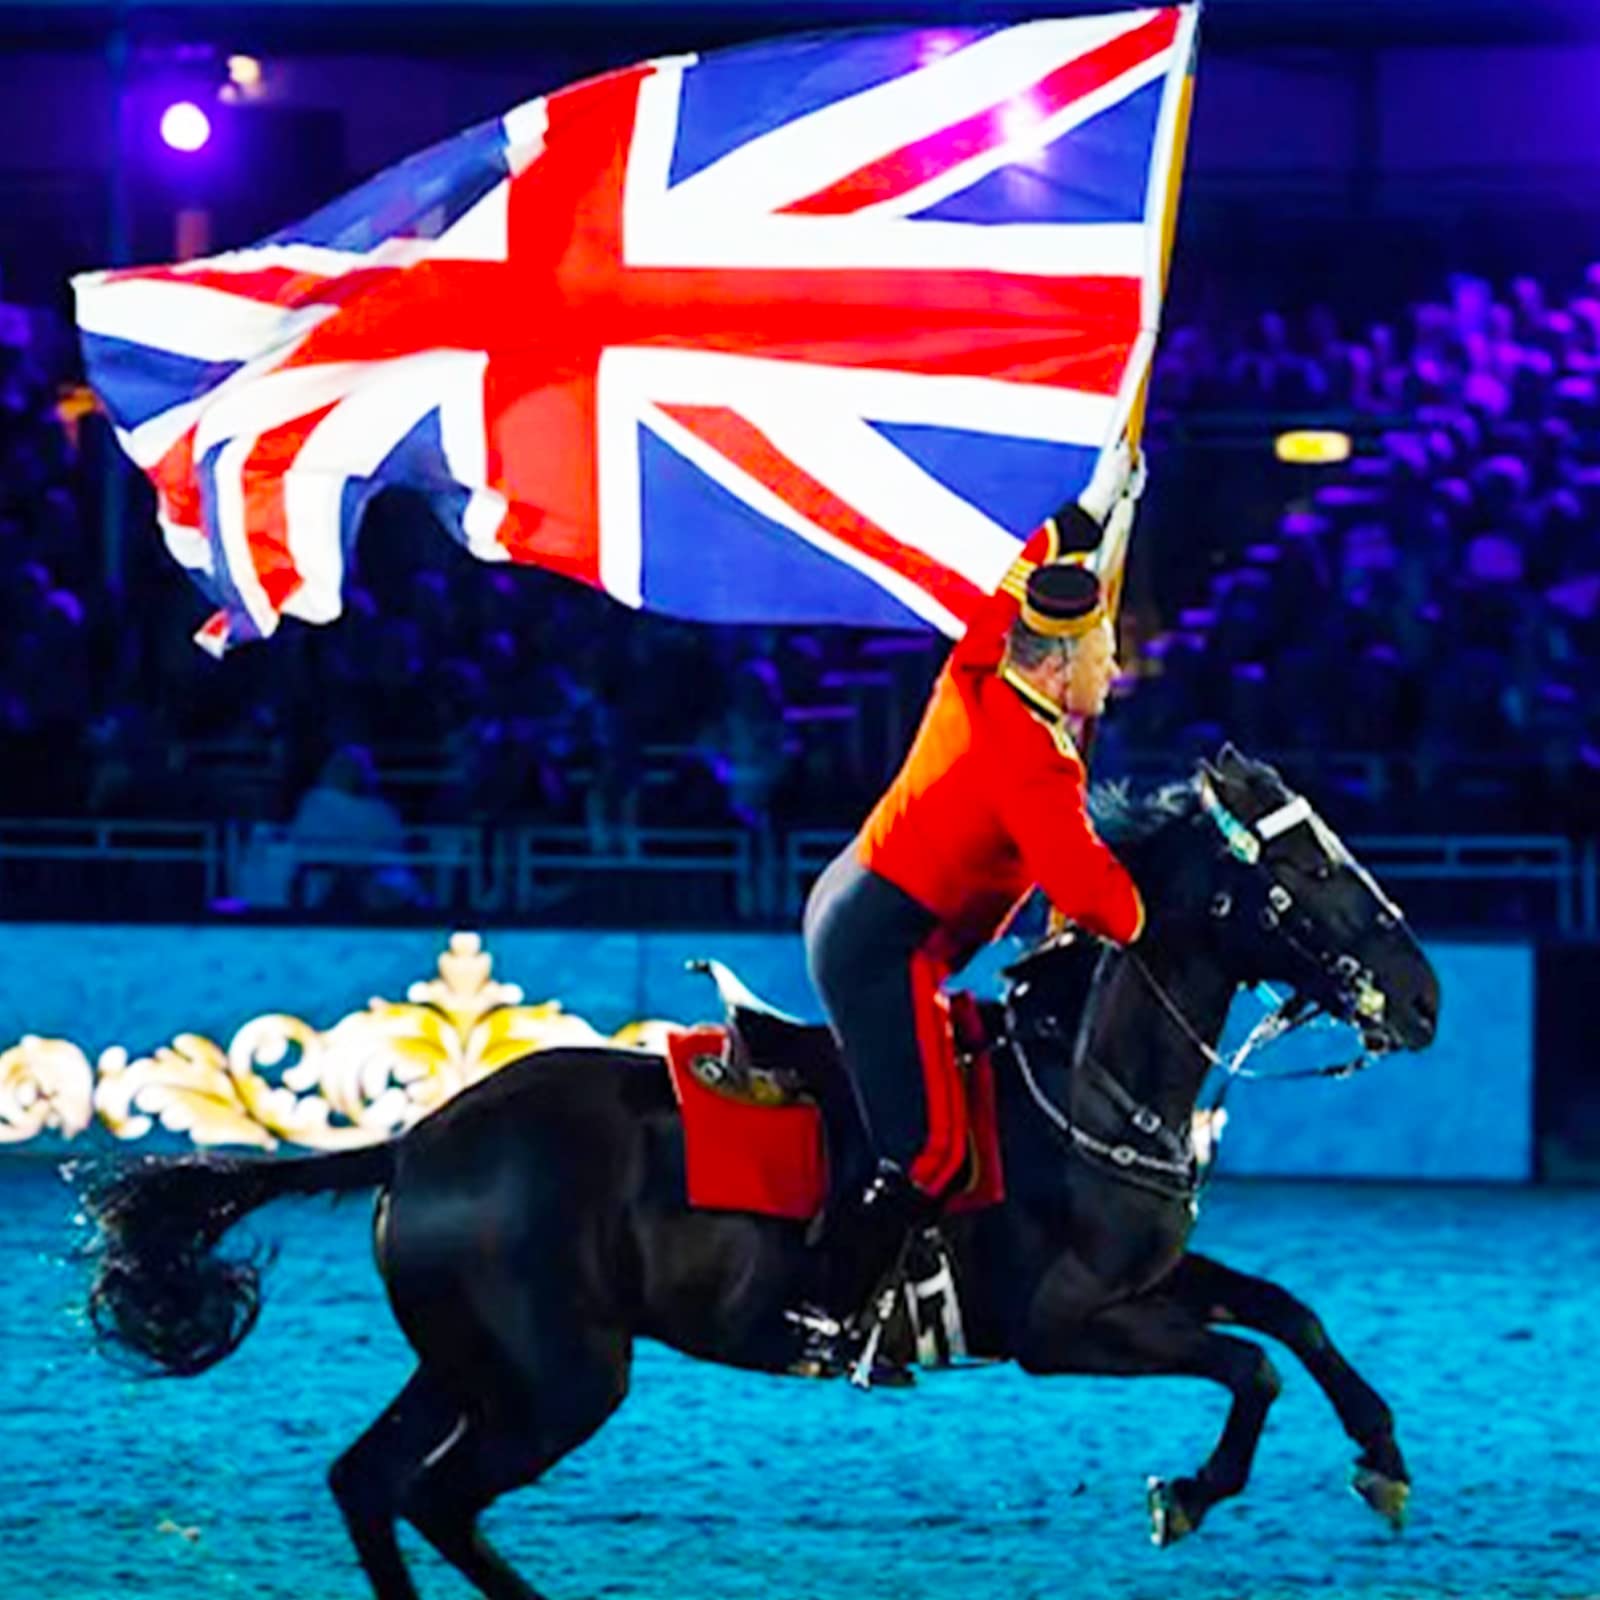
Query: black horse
{"points": [[531, 1229]]}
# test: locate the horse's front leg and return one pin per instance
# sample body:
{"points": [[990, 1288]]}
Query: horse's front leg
{"points": [[1220, 1294], [1158, 1335]]}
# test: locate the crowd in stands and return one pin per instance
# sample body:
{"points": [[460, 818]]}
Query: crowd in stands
{"points": [[1430, 609], [1435, 602]]}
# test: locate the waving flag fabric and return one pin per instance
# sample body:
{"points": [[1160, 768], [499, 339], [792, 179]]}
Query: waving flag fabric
{"points": [[806, 331]]}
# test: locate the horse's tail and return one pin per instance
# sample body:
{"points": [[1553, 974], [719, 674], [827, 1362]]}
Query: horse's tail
{"points": [[162, 1292]]}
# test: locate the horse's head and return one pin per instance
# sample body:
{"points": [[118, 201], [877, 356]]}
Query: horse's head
{"points": [[1291, 905]]}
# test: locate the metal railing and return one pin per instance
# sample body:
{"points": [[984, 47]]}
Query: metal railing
{"points": [[1551, 867], [1555, 879], [419, 774], [436, 864], [544, 859], [142, 869], [43, 856], [806, 851]]}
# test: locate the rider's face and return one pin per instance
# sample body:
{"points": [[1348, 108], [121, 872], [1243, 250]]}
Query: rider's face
{"points": [[1090, 670]]}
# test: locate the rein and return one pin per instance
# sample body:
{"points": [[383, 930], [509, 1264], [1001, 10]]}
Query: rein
{"points": [[1173, 1180], [1288, 1016], [1178, 1174]]}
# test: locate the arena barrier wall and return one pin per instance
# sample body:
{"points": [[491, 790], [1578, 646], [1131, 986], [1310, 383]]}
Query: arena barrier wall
{"points": [[1463, 1111]]}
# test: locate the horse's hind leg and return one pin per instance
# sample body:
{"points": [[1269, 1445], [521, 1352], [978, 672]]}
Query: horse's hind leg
{"points": [[526, 1419], [369, 1479], [1221, 1294]]}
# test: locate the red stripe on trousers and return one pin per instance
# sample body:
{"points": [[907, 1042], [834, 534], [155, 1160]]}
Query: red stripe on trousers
{"points": [[945, 1148]]}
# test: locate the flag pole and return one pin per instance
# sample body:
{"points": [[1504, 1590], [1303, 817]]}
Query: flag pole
{"points": [[1113, 569]]}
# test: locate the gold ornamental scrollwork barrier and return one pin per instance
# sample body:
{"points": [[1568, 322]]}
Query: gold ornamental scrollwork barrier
{"points": [[372, 1074]]}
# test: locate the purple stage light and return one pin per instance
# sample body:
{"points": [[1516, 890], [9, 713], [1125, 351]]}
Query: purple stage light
{"points": [[185, 127]]}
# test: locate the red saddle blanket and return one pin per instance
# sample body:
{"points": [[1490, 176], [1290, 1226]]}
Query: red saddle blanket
{"points": [[742, 1155]]}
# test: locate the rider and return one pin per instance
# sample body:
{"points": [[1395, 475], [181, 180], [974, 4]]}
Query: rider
{"points": [[989, 804]]}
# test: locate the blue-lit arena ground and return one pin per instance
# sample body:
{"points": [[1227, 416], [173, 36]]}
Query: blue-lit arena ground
{"points": [[1473, 1309]]}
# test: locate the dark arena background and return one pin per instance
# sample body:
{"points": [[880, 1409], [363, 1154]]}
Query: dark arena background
{"points": [[277, 901]]}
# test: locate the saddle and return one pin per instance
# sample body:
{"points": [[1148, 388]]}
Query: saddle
{"points": [[769, 1111], [768, 1057]]}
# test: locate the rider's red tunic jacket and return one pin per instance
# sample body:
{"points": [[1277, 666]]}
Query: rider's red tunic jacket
{"points": [[991, 800]]}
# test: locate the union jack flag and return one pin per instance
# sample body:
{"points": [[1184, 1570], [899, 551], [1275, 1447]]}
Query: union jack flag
{"points": [[814, 330]]}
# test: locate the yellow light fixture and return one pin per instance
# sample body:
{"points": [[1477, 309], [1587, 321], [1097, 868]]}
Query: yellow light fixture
{"points": [[245, 72], [1311, 447]]}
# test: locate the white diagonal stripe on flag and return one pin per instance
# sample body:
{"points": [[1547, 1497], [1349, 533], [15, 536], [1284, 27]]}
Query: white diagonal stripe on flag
{"points": [[228, 477], [350, 442], [1019, 150], [312, 260], [275, 398], [481, 233], [815, 151], [189, 546], [622, 387], [459, 378], [525, 127], [188, 319]]}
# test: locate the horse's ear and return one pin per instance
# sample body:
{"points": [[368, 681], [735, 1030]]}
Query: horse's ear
{"points": [[1231, 759]]}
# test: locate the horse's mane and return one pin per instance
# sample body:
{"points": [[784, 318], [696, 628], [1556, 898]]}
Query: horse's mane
{"points": [[1125, 818]]}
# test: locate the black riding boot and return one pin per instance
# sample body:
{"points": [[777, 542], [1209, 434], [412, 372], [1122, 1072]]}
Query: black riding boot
{"points": [[862, 1244]]}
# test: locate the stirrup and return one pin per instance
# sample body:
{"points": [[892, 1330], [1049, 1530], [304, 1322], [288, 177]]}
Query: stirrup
{"points": [[832, 1349], [870, 1336]]}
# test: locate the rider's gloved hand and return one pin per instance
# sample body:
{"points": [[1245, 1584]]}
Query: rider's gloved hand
{"points": [[1115, 475]]}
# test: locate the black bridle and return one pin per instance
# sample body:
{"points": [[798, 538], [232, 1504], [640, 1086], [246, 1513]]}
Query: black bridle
{"points": [[1167, 1162], [1354, 995], [1174, 1174]]}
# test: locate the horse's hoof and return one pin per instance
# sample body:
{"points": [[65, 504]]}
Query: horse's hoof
{"points": [[1170, 1520], [1389, 1497]]}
